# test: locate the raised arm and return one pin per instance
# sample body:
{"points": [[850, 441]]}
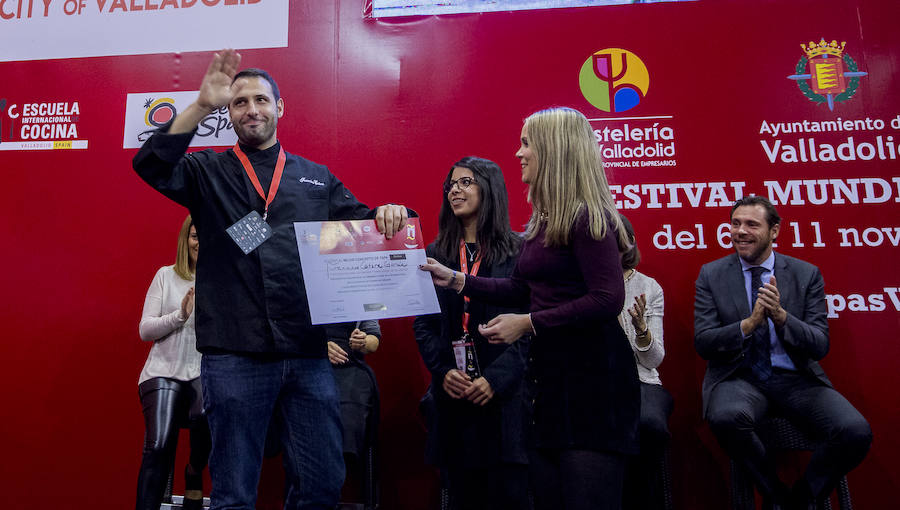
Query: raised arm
{"points": [[161, 162], [215, 91]]}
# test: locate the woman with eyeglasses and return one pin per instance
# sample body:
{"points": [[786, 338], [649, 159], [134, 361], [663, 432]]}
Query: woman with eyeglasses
{"points": [[586, 393], [477, 435], [169, 384]]}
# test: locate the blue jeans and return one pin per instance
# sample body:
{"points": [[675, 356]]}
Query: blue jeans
{"points": [[242, 395]]}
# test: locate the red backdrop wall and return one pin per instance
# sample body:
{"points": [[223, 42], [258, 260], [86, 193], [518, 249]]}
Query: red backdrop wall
{"points": [[389, 105]]}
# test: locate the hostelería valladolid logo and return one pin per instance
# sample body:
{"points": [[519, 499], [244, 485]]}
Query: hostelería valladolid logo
{"points": [[614, 80], [826, 74]]}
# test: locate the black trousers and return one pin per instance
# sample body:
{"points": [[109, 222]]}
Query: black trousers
{"points": [[737, 404], [577, 479], [643, 479], [500, 487], [168, 403]]}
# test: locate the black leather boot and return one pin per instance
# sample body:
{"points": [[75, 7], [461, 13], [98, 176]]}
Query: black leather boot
{"points": [[193, 489]]}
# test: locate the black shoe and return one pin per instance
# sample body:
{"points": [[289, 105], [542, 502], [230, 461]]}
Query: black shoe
{"points": [[802, 497], [192, 504], [193, 489]]}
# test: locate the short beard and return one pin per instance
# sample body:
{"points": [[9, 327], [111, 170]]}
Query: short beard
{"points": [[757, 253], [252, 140]]}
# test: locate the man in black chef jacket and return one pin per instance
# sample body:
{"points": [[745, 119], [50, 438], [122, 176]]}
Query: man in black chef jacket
{"points": [[262, 358]]}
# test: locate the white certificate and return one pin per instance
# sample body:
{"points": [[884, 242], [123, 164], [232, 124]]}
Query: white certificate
{"points": [[352, 272]]}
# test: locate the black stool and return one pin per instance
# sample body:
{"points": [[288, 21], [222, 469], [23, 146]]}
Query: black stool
{"points": [[779, 433]]}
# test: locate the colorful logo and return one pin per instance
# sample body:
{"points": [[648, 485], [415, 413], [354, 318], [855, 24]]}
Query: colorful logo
{"points": [[822, 75], [147, 112], [159, 111], [614, 80], [40, 126]]}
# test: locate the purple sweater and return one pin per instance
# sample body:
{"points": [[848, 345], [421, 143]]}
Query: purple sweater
{"points": [[581, 367], [570, 285]]}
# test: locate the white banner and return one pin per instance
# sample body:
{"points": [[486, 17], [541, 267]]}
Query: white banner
{"points": [[352, 272], [145, 112], [389, 8], [48, 29]]}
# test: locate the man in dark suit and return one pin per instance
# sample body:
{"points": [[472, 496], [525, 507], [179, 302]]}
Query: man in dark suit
{"points": [[760, 322]]}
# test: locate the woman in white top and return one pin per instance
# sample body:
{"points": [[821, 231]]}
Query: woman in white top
{"points": [[169, 385], [642, 320]]}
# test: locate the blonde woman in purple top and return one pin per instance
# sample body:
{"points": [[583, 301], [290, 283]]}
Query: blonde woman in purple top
{"points": [[581, 367]]}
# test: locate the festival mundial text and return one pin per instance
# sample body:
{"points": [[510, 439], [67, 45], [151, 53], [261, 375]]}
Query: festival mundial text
{"points": [[873, 193], [864, 191]]}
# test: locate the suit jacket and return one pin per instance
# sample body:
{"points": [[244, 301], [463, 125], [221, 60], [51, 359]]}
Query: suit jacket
{"points": [[720, 304]]}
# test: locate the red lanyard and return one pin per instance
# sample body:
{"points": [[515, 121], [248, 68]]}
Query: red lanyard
{"points": [[276, 177], [464, 267]]}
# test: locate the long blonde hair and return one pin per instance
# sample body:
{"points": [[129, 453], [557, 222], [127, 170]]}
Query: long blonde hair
{"points": [[569, 179], [183, 265]]}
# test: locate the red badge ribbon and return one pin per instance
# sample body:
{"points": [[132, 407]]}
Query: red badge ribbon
{"points": [[464, 267], [276, 177]]}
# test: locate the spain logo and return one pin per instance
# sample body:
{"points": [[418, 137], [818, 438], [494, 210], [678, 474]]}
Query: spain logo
{"points": [[826, 74], [159, 111]]}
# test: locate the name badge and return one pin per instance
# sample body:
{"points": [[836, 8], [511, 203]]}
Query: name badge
{"points": [[466, 356], [250, 232]]}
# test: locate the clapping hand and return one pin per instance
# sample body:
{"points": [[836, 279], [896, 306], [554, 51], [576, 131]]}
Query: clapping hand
{"points": [[187, 304], [770, 299], [637, 313]]}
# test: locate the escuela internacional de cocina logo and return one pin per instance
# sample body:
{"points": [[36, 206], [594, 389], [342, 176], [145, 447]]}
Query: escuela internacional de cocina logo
{"points": [[826, 74], [614, 80]]}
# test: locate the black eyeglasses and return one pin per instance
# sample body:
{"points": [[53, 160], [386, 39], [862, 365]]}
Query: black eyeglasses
{"points": [[461, 183]]}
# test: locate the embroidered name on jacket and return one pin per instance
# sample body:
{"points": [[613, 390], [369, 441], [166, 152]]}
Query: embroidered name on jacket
{"points": [[314, 182]]}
